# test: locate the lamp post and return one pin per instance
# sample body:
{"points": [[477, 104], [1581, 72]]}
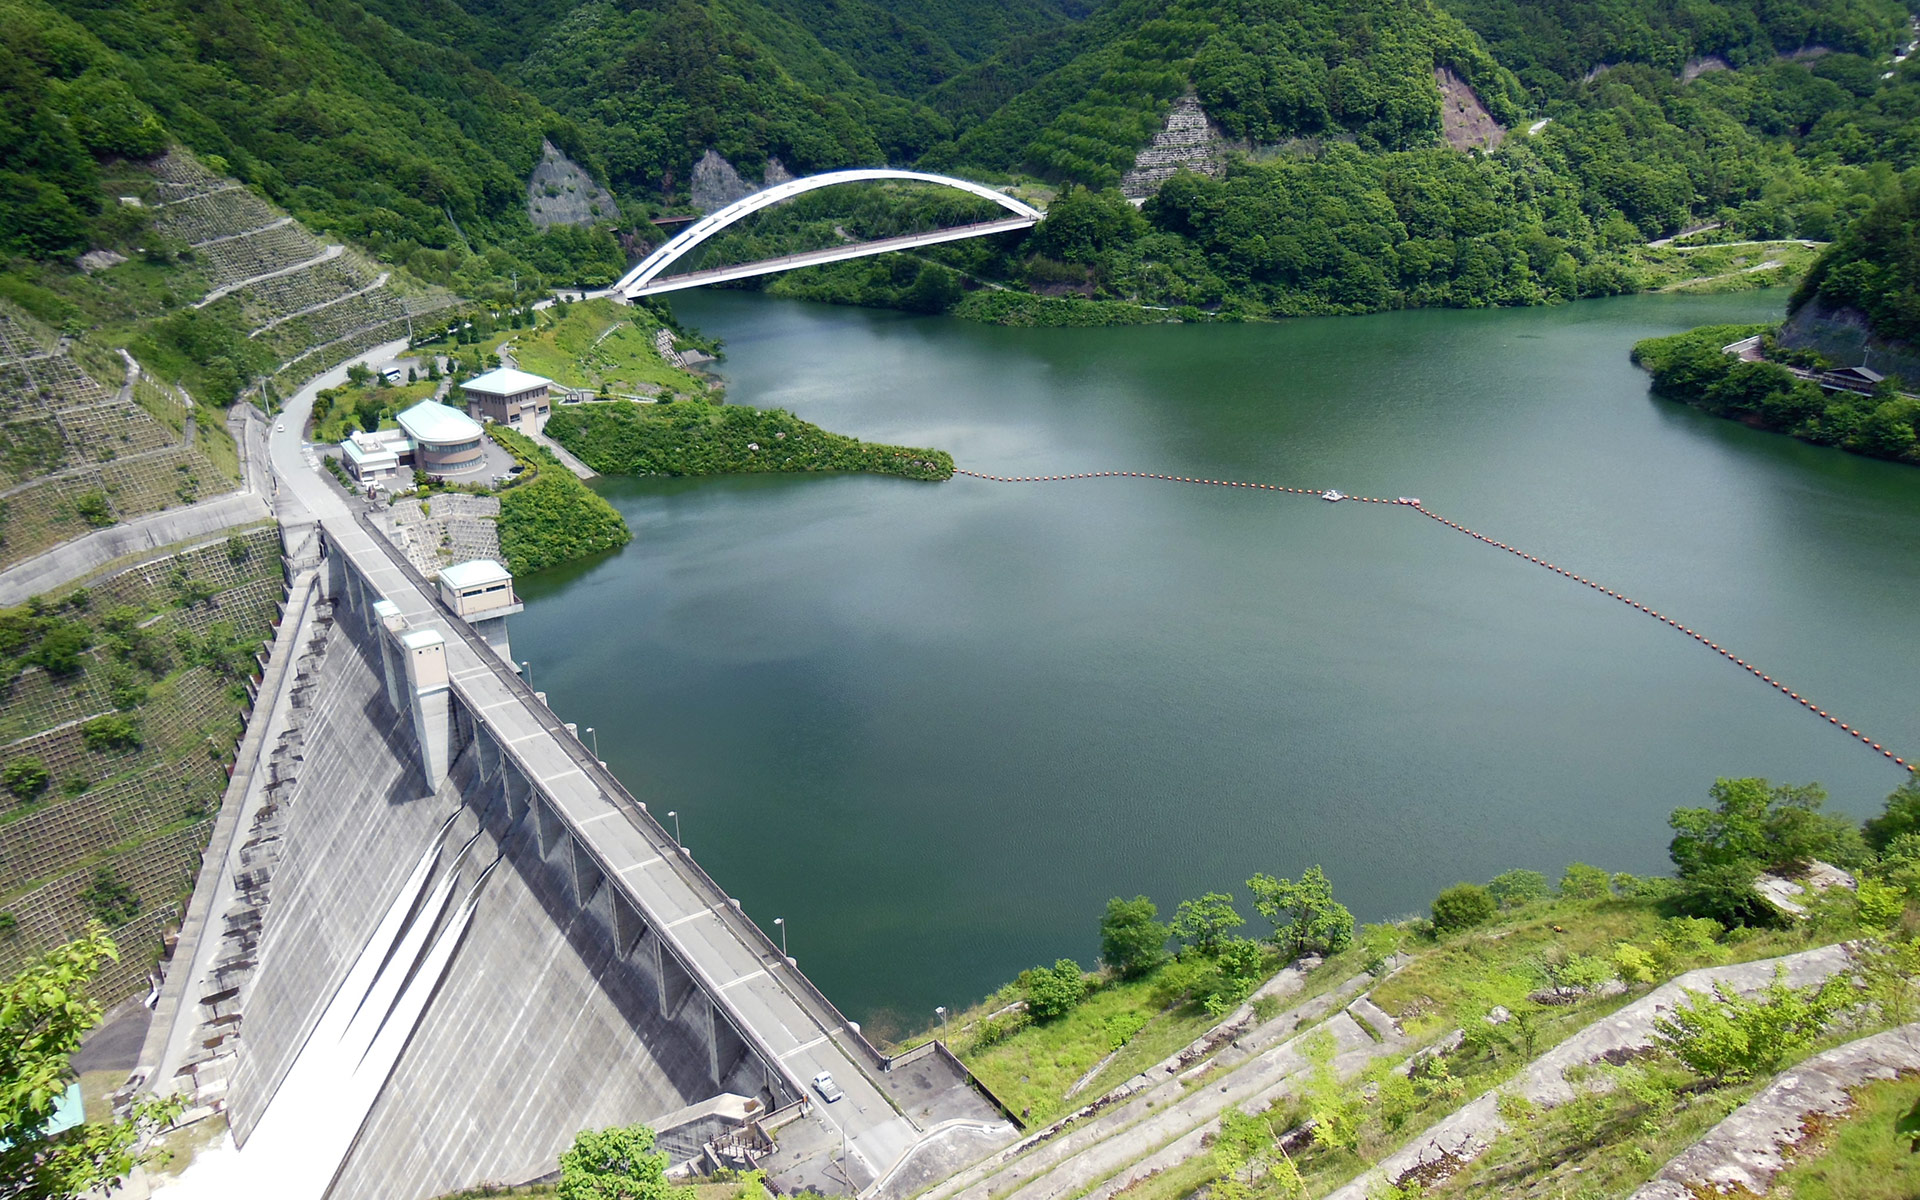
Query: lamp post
{"points": [[782, 923], [596, 742], [941, 1012], [676, 826], [526, 671]]}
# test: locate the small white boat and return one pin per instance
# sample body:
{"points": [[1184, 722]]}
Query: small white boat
{"points": [[1332, 495]]}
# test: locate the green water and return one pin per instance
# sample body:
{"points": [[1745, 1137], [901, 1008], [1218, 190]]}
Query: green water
{"points": [[935, 726]]}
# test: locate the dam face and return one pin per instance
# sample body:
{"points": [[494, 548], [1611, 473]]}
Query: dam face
{"points": [[530, 1036], [435, 939]]}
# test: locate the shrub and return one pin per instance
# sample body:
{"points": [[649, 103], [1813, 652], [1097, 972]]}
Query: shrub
{"points": [[1462, 906], [26, 778], [1380, 943], [1053, 992], [92, 508], [1514, 888], [1582, 882], [111, 732], [110, 901], [1727, 1037]]}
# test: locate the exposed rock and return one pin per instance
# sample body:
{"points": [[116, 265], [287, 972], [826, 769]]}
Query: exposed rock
{"points": [[1789, 895], [1187, 139], [1842, 335], [715, 184], [100, 260], [560, 192], [1464, 121], [1741, 1155], [776, 172], [1696, 67]]}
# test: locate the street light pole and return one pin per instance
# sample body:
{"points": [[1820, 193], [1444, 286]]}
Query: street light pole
{"points": [[676, 826], [941, 1012], [596, 742], [782, 923], [526, 669]]}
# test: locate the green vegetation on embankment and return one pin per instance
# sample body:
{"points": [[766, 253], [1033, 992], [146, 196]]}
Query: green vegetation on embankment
{"points": [[1515, 965], [1692, 368], [121, 700], [547, 516], [692, 437]]}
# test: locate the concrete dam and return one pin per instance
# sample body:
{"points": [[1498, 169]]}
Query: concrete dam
{"points": [[433, 939]]}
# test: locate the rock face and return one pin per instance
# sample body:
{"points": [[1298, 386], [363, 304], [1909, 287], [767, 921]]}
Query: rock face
{"points": [[1464, 121], [1843, 336], [560, 192], [715, 184], [1186, 140]]}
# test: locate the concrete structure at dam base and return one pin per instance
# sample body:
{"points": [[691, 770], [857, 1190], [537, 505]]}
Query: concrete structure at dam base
{"points": [[433, 939]]}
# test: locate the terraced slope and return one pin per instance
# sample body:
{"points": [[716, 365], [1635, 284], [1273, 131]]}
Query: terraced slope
{"points": [[115, 755], [307, 305], [78, 453]]}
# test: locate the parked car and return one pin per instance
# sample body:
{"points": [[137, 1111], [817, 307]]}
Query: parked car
{"points": [[828, 1089]]}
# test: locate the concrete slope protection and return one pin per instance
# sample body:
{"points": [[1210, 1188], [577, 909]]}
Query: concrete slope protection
{"points": [[1330, 494]]}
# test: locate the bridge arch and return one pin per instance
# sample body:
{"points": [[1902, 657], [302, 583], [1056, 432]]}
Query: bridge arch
{"points": [[636, 283]]}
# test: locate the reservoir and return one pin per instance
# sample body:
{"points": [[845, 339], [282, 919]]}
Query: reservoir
{"points": [[936, 726]]}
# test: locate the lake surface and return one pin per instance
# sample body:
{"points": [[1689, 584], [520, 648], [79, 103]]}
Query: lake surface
{"points": [[936, 726]]}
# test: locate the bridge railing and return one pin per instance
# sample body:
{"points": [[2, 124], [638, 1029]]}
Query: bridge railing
{"points": [[767, 266]]}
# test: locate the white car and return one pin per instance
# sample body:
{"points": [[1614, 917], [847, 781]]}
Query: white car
{"points": [[280, 428], [828, 1089]]}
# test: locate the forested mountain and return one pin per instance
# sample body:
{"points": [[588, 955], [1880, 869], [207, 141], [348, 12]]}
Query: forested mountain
{"points": [[1874, 269], [410, 126], [1552, 45]]}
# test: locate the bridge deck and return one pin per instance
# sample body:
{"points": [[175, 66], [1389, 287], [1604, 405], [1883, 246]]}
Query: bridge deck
{"points": [[692, 279]]}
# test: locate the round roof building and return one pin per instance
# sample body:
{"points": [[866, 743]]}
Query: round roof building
{"points": [[445, 440]]}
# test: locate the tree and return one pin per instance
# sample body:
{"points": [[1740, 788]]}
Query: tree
{"points": [[1514, 888], [1582, 882], [1724, 892], [1306, 918], [1205, 923], [1053, 992], [1132, 941], [1901, 816], [616, 1164], [44, 1013], [1462, 906], [1758, 825], [1728, 1037]]}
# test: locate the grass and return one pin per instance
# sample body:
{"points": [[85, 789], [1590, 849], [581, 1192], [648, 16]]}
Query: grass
{"points": [[1721, 268], [1860, 1157], [572, 350], [1032, 1070], [1464, 974]]}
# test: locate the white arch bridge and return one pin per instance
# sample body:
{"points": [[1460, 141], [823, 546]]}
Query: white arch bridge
{"points": [[646, 280]]}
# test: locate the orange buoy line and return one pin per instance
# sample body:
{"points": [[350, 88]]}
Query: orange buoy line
{"points": [[1405, 502]]}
